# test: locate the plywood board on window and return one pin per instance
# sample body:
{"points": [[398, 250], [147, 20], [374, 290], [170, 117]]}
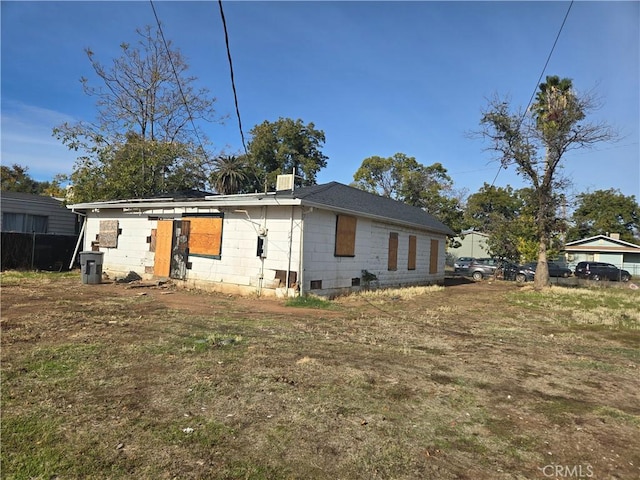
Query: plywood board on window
{"points": [[109, 233], [393, 251], [411, 264], [205, 237], [345, 236], [433, 257], [152, 240]]}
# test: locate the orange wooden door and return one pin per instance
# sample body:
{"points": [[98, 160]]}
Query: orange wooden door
{"points": [[164, 239]]}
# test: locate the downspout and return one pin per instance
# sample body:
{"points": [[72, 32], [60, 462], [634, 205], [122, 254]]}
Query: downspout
{"points": [[80, 237], [264, 229], [288, 281], [301, 255], [290, 249]]}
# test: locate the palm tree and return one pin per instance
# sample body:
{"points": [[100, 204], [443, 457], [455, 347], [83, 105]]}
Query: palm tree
{"points": [[557, 110], [230, 174], [536, 144]]}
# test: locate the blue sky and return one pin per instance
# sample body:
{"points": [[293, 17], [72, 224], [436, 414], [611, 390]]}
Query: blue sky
{"points": [[377, 77]]}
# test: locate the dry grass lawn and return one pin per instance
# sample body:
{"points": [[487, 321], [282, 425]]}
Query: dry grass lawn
{"points": [[486, 380]]}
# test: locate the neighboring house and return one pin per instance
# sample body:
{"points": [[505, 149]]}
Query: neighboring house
{"points": [[29, 213], [472, 244], [323, 239], [37, 231], [602, 248]]}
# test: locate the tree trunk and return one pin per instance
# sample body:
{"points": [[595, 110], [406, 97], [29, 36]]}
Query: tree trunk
{"points": [[541, 280]]}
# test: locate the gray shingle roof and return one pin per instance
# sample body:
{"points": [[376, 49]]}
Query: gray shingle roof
{"points": [[335, 195], [32, 197]]}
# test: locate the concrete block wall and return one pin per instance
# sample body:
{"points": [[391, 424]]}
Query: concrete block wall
{"points": [[132, 252], [238, 265], [241, 268], [371, 254]]}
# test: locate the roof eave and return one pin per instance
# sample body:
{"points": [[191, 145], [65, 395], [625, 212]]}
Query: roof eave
{"points": [[601, 249], [214, 202], [619, 242]]}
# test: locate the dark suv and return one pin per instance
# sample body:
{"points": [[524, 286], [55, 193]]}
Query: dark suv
{"points": [[601, 271], [555, 269]]}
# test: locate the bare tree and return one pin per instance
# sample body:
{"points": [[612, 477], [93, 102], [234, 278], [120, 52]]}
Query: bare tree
{"points": [[145, 95], [536, 141]]}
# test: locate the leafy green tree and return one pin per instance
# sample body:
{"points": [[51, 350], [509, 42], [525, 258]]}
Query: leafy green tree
{"points": [[536, 141], [491, 203], [17, 179], [147, 107], [495, 211], [603, 212], [439, 198], [500, 213], [278, 147], [136, 169], [383, 175], [556, 224], [404, 179], [508, 217]]}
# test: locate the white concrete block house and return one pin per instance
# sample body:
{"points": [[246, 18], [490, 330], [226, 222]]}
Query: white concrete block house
{"points": [[322, 238]]}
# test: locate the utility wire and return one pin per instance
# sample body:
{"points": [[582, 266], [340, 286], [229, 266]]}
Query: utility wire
{"points": [[175, 73], [535, 89], [233, 83]]}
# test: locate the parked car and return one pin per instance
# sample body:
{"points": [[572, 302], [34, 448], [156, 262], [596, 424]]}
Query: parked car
{"points": [[558, 270], [555, 270], [524, 273], [480, 268], [601, 271], [512, 271], [461, 265]]}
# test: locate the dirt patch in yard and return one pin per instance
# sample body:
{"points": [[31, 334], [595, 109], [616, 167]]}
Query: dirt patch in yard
{"points": [[473, 380]]}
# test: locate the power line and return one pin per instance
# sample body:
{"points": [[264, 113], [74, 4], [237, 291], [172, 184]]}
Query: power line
{"points": [[233, 83], [470, 171], [175, 73], [535, 89]]}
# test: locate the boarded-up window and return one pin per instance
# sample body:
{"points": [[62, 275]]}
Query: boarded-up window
{"points": [[345, 236], [411, 263], [109, 233], [393, 251], [205, 235], [433, 257], [281, 276], [151, 240]]}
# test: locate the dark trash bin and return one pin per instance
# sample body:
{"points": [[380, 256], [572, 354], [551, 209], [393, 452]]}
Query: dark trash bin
{"points": [[91, 267]]}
